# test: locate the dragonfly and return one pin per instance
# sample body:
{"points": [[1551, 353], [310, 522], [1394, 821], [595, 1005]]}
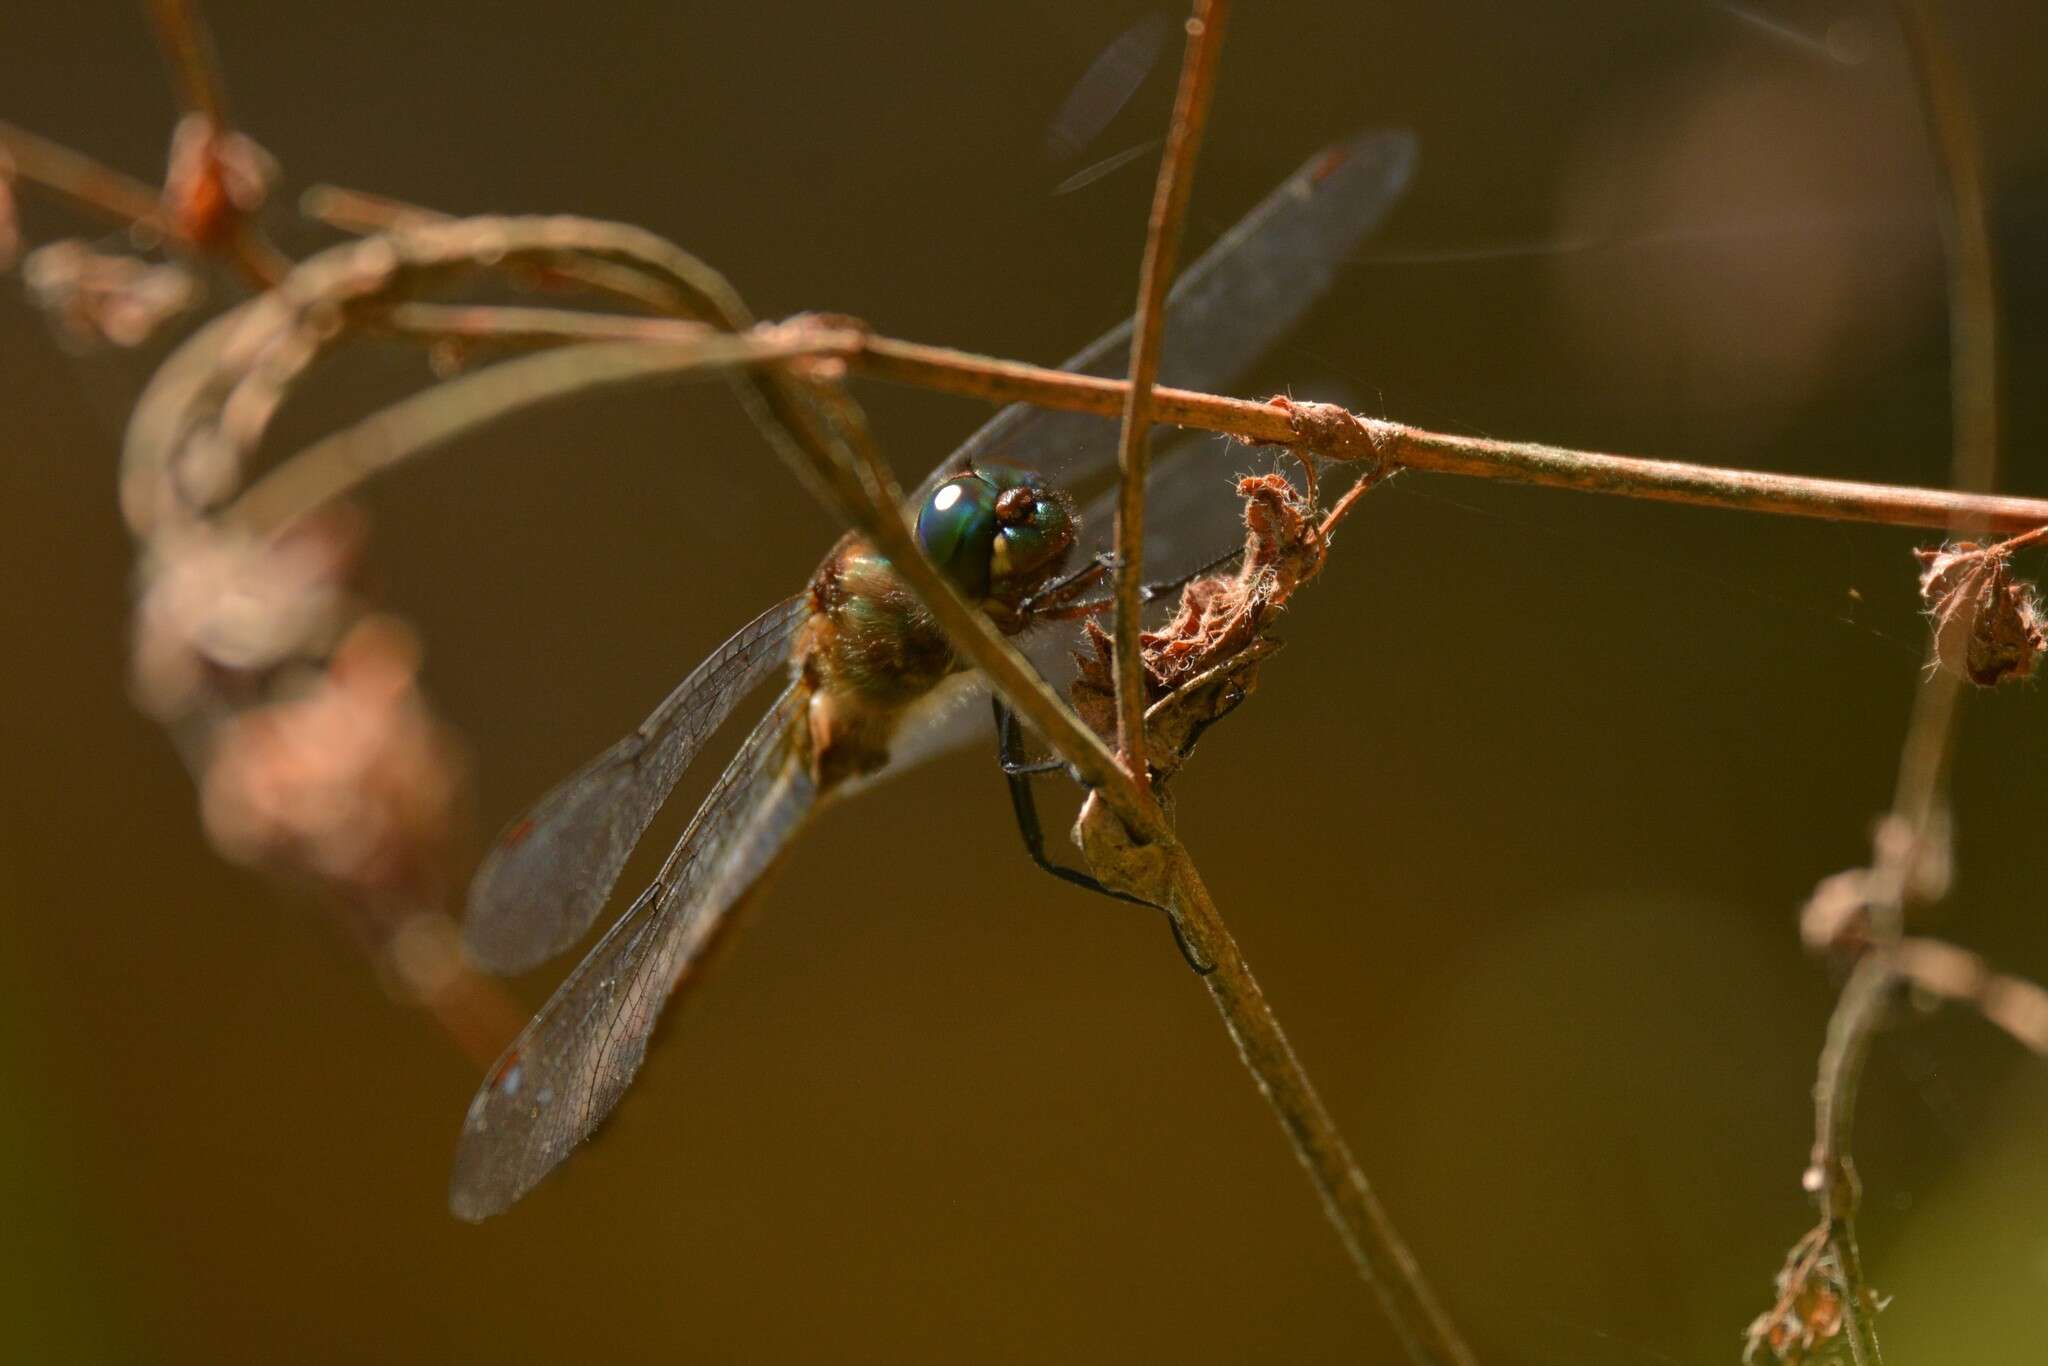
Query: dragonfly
{"points": [[870, 686]]}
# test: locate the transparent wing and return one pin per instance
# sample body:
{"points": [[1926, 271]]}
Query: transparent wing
{"points": [[1225, 311], [551, 871], [568, 1068], [1193, 518]]}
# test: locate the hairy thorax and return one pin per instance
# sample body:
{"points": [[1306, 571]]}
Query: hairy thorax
{"points": [[869, 651]]}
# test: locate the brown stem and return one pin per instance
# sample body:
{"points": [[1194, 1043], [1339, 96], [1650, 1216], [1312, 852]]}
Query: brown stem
{"points": [[188, 47], [1923, 762], [84, 181], [339, 464], [1003, 381], [1375, 1246], [102, 189], [1155, 277]]}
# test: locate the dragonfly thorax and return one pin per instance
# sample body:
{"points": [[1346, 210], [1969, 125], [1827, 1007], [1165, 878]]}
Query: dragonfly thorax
{"points": [[870, 650]]}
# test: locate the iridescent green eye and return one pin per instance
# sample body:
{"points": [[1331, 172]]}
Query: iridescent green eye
{"points": [[996, 532], [957, 529]]}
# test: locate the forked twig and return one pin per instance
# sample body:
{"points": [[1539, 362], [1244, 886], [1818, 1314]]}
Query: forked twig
{"points": [[1369, 1236], [702, 325], [1918, 813], [1155, 277]]}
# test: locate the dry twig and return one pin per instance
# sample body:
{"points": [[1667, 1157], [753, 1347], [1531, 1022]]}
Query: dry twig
{"points": [[186, 491], [1826, 1266], [1155, 277]]}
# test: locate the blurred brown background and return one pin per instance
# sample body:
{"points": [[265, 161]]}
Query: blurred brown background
{"points": [[1514, 834]]}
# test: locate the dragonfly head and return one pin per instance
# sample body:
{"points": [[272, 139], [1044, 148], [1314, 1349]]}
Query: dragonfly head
{"points": [[997, 532]]}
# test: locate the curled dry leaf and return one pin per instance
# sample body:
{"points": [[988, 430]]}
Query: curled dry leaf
{"points": [[1221, 619], [215, 179], [218, 607], [94, 297], [353, 781], [1807, 1319], [1988, 624], [1200, 665]]}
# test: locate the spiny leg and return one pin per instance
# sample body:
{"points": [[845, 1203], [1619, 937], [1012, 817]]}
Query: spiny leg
{"points": [[1061, 598], [1046, 604], [1024, 804]]}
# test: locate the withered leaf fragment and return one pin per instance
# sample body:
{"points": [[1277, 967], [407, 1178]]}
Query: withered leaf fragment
{"points": [[1987, 621], [1805, 1324], [1221, 618], [95, 297]]}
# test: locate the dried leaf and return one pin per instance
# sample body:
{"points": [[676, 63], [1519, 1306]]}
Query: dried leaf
{"points": [[353, 782], [1987, 623], [93, 297], [1805, 1324], [1221, 619], [218, 608]]}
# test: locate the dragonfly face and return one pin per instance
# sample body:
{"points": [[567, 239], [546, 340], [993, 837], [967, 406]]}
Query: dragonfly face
{"points": [[872, 673], [870, 651], [999, 534]]}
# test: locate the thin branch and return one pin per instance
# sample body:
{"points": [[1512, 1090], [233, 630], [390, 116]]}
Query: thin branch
{"points": [[515, 326], [1919, 798], [1155, 277], [1273, 422], [1966, 236], [421, 422], [91, 184], [188, 47], [1376, 1247], [359, 211], [362, 212], [1330, 431], [1369, 1236], [2017, 1006]]}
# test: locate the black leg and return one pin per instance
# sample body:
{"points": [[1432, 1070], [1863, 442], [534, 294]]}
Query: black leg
{"points": [[1024, 804], [1150, 592], [1068, 585], [1010, 749]]}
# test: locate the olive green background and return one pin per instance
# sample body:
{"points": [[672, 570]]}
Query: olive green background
{"points": [[1514, 833]]}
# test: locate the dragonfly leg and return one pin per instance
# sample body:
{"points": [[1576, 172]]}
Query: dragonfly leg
{"points": [[1024, 803], [1068, 585], [1150, 592], [1010, 750]]}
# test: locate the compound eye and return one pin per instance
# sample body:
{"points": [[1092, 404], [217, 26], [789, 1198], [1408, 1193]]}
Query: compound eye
{"points": [[956, 528]]}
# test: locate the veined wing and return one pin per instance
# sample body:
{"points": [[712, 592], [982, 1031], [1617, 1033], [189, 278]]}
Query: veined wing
{"points": [[551, 871], [1193, 517], [1225, 311], [568, 1068]]}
